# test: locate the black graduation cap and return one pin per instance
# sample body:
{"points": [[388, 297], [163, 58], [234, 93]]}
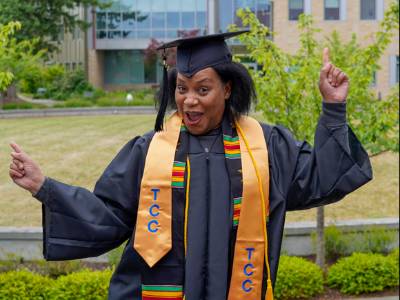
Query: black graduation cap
{"points": [[194, 54]]}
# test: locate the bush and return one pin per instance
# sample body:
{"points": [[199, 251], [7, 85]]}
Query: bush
{"points": [[17, 285], [86, 284], [374, 240], [298, 278], [395, 256], [364, 273], [22, 105]]}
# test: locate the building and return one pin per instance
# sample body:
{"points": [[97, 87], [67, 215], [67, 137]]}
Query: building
{"points": [[361, 17], [116, 43], [72, 53], [122, 32]]}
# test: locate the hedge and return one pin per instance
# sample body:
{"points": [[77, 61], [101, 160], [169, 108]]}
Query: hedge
{"points": [[17, 285], [364, 273], [297, 279], [86, 284]]}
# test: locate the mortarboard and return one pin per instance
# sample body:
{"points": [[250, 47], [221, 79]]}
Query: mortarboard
{"points": [[194, 54]]}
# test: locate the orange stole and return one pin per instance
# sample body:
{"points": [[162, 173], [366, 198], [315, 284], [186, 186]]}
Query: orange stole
{"points": [[251, 248], [153, 225]]}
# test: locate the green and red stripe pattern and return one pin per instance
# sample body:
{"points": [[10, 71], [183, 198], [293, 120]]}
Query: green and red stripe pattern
{"points": [[178, 175], [162, 292], [232, 147], [237, 204]]}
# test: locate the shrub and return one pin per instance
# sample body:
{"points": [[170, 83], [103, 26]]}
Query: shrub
{"points": [[297, 279], [74, 103], [374, 240], [395, 256], [55, 269], [88, 285], [364, 273], [16, 285]]}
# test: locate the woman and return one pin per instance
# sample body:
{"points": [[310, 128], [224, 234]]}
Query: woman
{"points": [[194, 198]]}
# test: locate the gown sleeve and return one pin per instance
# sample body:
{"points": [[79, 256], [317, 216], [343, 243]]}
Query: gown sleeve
{"points": [[308, 177], [78, 223]]}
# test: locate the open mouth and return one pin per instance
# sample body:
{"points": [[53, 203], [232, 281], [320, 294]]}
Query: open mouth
{"points": [[192, 118]]}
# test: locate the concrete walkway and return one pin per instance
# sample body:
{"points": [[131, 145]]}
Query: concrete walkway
{"points": [[379, 298], [57, 112]]}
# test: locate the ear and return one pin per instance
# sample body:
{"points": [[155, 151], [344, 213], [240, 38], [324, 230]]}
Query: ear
{"points": [[227, 90]]}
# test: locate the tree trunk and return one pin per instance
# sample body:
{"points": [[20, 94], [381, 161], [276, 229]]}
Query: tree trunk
{"points": [[11, 94], [320, 238], [2, 95]]}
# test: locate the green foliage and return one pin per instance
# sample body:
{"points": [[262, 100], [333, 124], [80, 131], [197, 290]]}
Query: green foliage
{"points": [[6, 31], [364, 273], [89, 285], [55, 269], [374, 240], [16, 285], [73, 82], [287, 84], [23, 105], [17, 58], [44, 19], [298, 279], [395, 256], [114, 256]]}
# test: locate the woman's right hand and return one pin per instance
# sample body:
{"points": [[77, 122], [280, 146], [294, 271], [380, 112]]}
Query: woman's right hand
{"points": [[24, 171]]}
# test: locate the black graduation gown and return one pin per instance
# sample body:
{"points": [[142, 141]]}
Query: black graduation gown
{"points": [[78, 223]]}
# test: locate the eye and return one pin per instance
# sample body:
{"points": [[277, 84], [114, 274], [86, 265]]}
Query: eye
{"points": [[203, 90], [180, 88]]}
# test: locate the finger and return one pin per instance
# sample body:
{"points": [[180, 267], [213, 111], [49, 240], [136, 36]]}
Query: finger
{"points": [[19, 156], [326, 69], [18, 164], [335, 75], [15, 168], [330, 74], [16, 147], [325, 57], [340, 78], [15, 174]]}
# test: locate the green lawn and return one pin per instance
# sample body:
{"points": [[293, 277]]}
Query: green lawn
{"points": [[76, 150]]}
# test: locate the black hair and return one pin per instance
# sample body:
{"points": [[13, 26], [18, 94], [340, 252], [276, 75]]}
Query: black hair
{"points": [[242, 91]]}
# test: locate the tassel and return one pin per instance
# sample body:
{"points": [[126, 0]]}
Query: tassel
{"points": [[270, 294], [164, 97]]}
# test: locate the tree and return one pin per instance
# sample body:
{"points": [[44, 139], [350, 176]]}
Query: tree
{"points": [[17, 59], [44, 19], [6, 31], [287, 84]]}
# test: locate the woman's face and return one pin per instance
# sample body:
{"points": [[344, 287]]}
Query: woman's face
{"points": [[201, 100]]}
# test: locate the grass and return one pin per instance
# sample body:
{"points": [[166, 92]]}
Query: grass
{"points": [[76, 150]]}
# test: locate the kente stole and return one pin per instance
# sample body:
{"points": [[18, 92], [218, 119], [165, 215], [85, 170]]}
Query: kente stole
{"points": [[247, 163]]}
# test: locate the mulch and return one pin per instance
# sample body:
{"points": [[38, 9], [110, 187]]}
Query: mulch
{"points": [[330, 294]]}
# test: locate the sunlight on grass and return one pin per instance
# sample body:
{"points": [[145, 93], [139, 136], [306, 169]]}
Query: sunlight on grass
{"points": [[76, 150]]}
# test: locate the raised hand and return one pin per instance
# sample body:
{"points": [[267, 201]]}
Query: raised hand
{"points": [[333, 82], [24, 171]]}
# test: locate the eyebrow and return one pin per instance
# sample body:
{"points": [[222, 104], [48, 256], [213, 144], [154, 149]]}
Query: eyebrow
{"points": [[198, 81]]}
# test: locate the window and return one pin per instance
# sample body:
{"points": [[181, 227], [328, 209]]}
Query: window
{"points": [[368, 9], [394, 69], [332, 9], [397, 69], [296, 8]]}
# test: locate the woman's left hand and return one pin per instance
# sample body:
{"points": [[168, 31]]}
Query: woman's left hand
{"points": [[333, 82]]}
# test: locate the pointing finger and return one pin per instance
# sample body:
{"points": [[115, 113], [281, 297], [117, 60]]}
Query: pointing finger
{"points": [[16, 147], [325, 56]]}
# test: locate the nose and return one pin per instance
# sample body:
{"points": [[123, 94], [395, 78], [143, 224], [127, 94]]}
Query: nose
{"points": [[191, 100]]}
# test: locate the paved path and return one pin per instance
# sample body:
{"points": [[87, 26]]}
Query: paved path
{"points": [[55, 112]]}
